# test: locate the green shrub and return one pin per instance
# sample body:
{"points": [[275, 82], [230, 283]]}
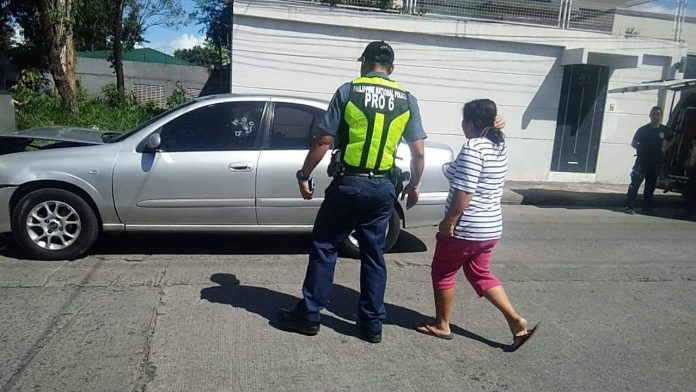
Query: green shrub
{"points": [[177, 98], [31, 79], [116, 113], [113, 97]]}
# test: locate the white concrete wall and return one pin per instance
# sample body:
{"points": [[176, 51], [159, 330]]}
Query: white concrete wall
{"points": [[310, 51], [95, 73], [654, 27]]}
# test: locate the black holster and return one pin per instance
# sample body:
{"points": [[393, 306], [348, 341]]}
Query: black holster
{"points": [[397, 177], [336, 167]]}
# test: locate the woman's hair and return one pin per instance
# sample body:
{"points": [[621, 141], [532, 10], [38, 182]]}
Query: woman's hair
{"points": [[482, 113]]}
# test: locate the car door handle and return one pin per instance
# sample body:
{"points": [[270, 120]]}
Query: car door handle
{"points": [[240, 166]]}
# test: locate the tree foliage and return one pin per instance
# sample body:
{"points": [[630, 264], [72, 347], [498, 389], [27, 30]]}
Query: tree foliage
{"points": [[33, 51], [216, 17], [132, 18], [31, 79], [205, 56], [91, 24], [6, 26], [150, 13], [48, 30], [56, 19], [94, 29]]}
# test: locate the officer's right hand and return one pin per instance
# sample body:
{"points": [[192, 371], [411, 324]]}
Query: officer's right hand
{"points": [[304, 190]]}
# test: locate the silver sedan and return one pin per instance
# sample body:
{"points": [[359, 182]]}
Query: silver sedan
{"points": [[222, 163]]}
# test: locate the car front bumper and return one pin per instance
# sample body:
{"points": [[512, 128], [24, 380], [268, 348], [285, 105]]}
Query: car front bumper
{"points": [[6, 192]]}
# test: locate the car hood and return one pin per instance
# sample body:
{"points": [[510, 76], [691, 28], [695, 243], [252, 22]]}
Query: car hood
{"points": [[62, 134]]}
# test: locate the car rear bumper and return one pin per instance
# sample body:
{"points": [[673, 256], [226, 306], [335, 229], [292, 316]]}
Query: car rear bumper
{"points": [[5, 195]]}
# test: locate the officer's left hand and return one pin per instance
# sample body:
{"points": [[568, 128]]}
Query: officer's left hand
{"points": [[412, 193], [304, 190], [499, 122]]}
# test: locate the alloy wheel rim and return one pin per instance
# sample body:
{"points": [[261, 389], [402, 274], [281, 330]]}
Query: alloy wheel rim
{"points": [[53, 225], [354, 241]]}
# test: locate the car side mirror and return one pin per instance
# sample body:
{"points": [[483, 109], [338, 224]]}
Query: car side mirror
{"points": [[153, 142]]}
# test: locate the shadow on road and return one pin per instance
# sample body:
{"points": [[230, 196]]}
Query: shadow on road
{"points": [[343, 303], [185, 243], [208, 243], [558, 197], [8, 248], [408, 243], [203, 243], [667, 206]]}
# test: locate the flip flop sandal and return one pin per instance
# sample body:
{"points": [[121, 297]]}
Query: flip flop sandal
{"points": [[431, 332], [518, 341]]}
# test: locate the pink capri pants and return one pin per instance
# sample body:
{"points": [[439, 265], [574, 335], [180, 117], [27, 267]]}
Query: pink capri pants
{"points": [[451, 254]]}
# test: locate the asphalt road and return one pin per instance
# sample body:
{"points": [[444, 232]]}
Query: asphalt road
{"points": [[616, 295]]}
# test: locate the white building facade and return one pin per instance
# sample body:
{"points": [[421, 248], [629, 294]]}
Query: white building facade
{"points": [[550, 84]]}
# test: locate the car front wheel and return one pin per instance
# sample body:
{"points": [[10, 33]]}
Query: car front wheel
{"points": [[54, 224], [350, 247]]}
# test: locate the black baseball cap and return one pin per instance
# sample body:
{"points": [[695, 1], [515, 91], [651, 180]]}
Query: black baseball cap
{"points": [[378, 52]]}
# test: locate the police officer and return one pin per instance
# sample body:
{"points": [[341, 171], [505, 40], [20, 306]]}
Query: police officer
{"points": [[651, 142], [368, 117]]}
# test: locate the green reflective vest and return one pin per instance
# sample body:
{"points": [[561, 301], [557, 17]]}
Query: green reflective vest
{"points": [[375, 118]]}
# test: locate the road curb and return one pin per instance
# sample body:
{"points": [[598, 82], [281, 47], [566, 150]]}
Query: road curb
{"points": [[577, 196]]}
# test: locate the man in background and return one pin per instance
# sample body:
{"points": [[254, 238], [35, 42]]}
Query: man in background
{"points": [[651, 142]]}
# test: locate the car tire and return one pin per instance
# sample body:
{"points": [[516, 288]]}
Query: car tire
{"points": [[69, 229], [350, 248]]}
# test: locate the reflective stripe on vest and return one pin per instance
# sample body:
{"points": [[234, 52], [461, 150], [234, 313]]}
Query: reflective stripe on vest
{"points": [[376, 115]]}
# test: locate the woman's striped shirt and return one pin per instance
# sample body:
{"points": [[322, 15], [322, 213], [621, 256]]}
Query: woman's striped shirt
{"points": [[480, 170]]}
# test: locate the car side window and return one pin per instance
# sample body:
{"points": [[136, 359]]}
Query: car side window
{"points": [[294, 126], [218, 127]]}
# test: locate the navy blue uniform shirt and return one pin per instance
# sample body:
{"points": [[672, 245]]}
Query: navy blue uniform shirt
{"points": [[649, 141]]}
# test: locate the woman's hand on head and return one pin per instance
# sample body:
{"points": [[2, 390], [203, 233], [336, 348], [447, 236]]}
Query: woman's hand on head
{"points": [[499, 122]]}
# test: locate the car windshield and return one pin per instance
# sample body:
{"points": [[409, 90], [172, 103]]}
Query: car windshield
{"points": [[146, 123]]}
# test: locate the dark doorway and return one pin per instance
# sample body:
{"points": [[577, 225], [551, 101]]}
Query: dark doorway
{"points": [[580, 116]]}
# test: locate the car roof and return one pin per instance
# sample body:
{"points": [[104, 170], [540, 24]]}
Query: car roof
{"points": [[265, 97]]}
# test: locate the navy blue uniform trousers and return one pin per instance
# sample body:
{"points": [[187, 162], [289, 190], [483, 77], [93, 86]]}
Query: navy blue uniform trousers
{"points": [[351, 203], [643, 171]]}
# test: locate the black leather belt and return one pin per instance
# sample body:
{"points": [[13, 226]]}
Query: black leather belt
{"points": [[369, 174]]}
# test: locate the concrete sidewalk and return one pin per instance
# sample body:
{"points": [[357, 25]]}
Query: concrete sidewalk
{"points": [[580, 194]]}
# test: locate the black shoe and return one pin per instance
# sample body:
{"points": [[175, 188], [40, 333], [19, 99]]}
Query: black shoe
{"points": [[630, 211], [648, 211], [287, 321], [369, 336]]}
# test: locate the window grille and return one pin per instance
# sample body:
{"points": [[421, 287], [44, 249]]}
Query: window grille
{"points": [[145, 93]]}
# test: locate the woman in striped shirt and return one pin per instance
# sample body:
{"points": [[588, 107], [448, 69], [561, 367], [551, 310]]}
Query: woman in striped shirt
{"points": [[473, 223]]}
